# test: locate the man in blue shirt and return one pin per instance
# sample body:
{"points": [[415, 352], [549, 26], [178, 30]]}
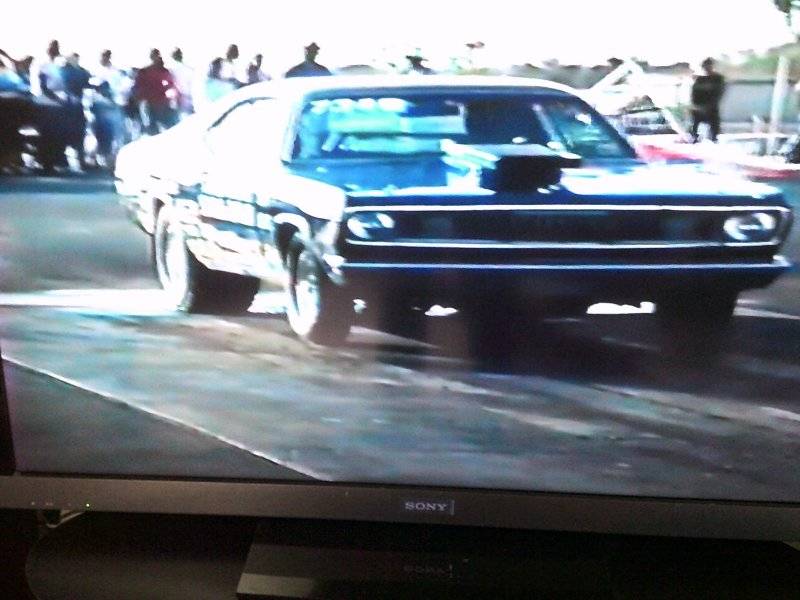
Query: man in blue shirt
{"points": [[76, 80], [309, 67]]}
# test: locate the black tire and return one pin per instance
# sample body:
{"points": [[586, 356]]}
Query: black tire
{"points": [[696, 322], [193, 287], [318, 310]]}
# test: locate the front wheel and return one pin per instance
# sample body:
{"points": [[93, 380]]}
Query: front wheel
{"points": [[189, 284], [318, 311]]}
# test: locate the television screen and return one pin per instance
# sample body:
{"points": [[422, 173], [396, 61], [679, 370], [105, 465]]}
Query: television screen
{"points": [[432, 257]]}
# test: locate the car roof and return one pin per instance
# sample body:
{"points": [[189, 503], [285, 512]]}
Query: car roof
{"points": [[298, 88], [302, 86]]}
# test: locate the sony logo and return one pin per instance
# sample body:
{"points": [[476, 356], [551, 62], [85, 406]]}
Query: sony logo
{"points": [[430, 506]]}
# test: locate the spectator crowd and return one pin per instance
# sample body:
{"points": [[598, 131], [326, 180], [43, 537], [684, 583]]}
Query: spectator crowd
{"points": [[65, 101], [59, 103]]}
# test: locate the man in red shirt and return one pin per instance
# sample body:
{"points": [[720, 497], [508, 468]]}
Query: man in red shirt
{"points": [[156, 95]]}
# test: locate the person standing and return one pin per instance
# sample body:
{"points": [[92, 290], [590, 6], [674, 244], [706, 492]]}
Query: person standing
{"points": [[76, 81], [51, 110], [417, 66], [111, 88], [231, 70], [215, 86], [155, 94], [309, 67], [184, 80], [46, 80], [707, 92], [118, 82], [255, 73], [75, 78]]}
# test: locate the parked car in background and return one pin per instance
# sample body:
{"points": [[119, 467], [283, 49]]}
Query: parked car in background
{"points": [[505, 198], [32, 125]]}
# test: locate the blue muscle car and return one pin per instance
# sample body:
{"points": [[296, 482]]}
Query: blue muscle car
{"points": [[497, 196]]}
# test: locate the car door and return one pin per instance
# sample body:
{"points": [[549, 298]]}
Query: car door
{"points": [[240, 150]]}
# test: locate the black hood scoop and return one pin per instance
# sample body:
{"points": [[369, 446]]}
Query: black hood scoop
{"points": [[510, 167]]}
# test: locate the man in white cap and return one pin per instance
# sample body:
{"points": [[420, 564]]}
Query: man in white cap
{"points": [[309, 67]]}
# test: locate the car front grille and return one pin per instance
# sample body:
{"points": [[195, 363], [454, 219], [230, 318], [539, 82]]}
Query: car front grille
{"points": [[555, 228]]}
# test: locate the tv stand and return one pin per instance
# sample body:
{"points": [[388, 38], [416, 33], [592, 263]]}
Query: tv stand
{"points": [[152, 556]]}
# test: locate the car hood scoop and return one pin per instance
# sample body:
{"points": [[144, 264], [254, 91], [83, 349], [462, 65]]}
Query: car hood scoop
{"points": [[509, 167]]}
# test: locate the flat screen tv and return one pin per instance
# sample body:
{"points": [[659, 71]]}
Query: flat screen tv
{"points": [[390, 281]]}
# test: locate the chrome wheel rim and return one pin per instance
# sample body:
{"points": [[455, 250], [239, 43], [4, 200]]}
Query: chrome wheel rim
{"points": [[306, 293], [175, 263]]}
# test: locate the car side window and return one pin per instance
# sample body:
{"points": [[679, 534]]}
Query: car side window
{"points": [[246, 134], [574, 128]]}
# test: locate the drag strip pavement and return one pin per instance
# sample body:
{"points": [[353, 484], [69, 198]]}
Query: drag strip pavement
{"points": [[592, 406]]}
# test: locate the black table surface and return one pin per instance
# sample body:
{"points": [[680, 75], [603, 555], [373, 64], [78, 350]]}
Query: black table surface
{"points": [[153, 556]]}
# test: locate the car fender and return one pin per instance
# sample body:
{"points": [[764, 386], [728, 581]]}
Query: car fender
{"points": [[313, 198], [298, 224]]}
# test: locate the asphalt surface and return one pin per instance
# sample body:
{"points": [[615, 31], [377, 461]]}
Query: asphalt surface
{"points": [[99, 367], [91, 433]]}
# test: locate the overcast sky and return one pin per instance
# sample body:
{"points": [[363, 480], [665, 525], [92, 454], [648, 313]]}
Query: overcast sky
{"points": [[356, 30]]}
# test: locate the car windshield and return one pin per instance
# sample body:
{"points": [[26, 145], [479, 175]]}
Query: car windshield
{"points": [[400, 126]]}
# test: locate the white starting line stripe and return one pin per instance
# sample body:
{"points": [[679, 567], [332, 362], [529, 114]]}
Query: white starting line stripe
{"points": [[165, 417], [136, 301]]}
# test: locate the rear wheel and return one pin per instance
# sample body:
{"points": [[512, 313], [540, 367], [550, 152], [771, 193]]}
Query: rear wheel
{"points": [[318, 311], [190, 285]]}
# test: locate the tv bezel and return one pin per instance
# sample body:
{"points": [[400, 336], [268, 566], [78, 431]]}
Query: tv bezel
{"points": [[346, 502]]}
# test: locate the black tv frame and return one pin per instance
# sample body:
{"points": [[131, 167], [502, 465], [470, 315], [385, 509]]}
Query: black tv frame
{"points": [[7, 462]]}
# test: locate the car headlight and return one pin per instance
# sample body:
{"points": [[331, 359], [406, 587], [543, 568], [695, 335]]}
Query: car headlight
{"points": [[752, 227], [370, 225]]}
